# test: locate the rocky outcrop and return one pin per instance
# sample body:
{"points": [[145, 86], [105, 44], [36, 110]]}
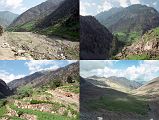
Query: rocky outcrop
{"points": [[1, 30], [148, 45], [96, 42], [4, 89]]}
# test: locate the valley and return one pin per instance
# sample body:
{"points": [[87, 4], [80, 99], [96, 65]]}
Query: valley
{"points": [[113, 101], [49, 95], [132, 34]]}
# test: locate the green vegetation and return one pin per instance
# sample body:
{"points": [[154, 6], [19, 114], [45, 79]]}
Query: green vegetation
{"points": [[55, 83], [22, 28], [71, 88], [127, 38], [25, 91], [41, 115], [138, 57], [69, 31], [2, 111], [123, 104]]}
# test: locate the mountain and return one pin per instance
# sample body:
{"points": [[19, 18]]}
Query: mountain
{"points": [[4, 89], [122, 83], [38, 12], [117, 83], [42, 78], [135, 18], [64, 21], [145, 48], [103, 16], [96, 42], [151, 88], [53, 17], [6, 18]]}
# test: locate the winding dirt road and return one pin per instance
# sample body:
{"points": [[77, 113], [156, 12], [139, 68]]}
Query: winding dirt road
{"points": [[30, 46]]}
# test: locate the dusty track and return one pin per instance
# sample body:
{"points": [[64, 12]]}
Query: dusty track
{"points": [[28, 46]]}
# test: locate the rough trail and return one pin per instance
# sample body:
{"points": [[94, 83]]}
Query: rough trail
{"points": [[29, 46]]}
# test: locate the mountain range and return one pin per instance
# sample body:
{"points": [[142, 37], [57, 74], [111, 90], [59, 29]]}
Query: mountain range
{"points": [[38, 79], [41, 78], [117, 83], [38, 12], [6, 18], [53, 17], [133, 34]]}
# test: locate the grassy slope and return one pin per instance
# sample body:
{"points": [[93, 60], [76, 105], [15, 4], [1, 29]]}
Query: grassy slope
{"points": [[116, 103], [44, 115], [65, 28]]}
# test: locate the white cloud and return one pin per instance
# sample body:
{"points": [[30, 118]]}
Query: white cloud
{"points": [[104, 6], [135, 1], [84, 6], [12, 5], [39, 65], [124, 3], [146, 70], [8, 77]]}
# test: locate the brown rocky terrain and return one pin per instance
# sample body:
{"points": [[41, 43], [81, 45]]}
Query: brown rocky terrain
{"points": [[30, 46], [147, 46]]}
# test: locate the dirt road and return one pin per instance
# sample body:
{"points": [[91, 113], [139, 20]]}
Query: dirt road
{"points": [[29, 46]]}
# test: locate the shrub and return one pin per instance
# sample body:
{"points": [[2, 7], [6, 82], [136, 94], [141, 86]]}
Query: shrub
{"points": [[20, 113], [25, 91], [70, 80], [55, 83], [3, 103]]}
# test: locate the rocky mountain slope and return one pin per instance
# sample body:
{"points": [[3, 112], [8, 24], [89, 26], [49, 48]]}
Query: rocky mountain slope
{"points": [[4, 89], [146, 47], [138, 18], [64, 21], [6, 18], [38, 12], [39, 79], [96, 42], [117, 83], [103, 16], [149, 89]]}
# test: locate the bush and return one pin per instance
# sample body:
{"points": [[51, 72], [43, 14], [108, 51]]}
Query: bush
{"points": [[3, 103], [70, 80], [55, 83], [34, 102], [25, 91], [20, 113]]}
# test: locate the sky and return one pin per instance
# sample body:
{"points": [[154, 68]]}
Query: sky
{"points": [[133, 70], [18, 6], [93, 7], [15, 69]]}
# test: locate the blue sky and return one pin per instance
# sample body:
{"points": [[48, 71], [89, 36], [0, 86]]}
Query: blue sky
{"points": [[93, 7], [132, 70], [18, 6], [10, 70]]}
